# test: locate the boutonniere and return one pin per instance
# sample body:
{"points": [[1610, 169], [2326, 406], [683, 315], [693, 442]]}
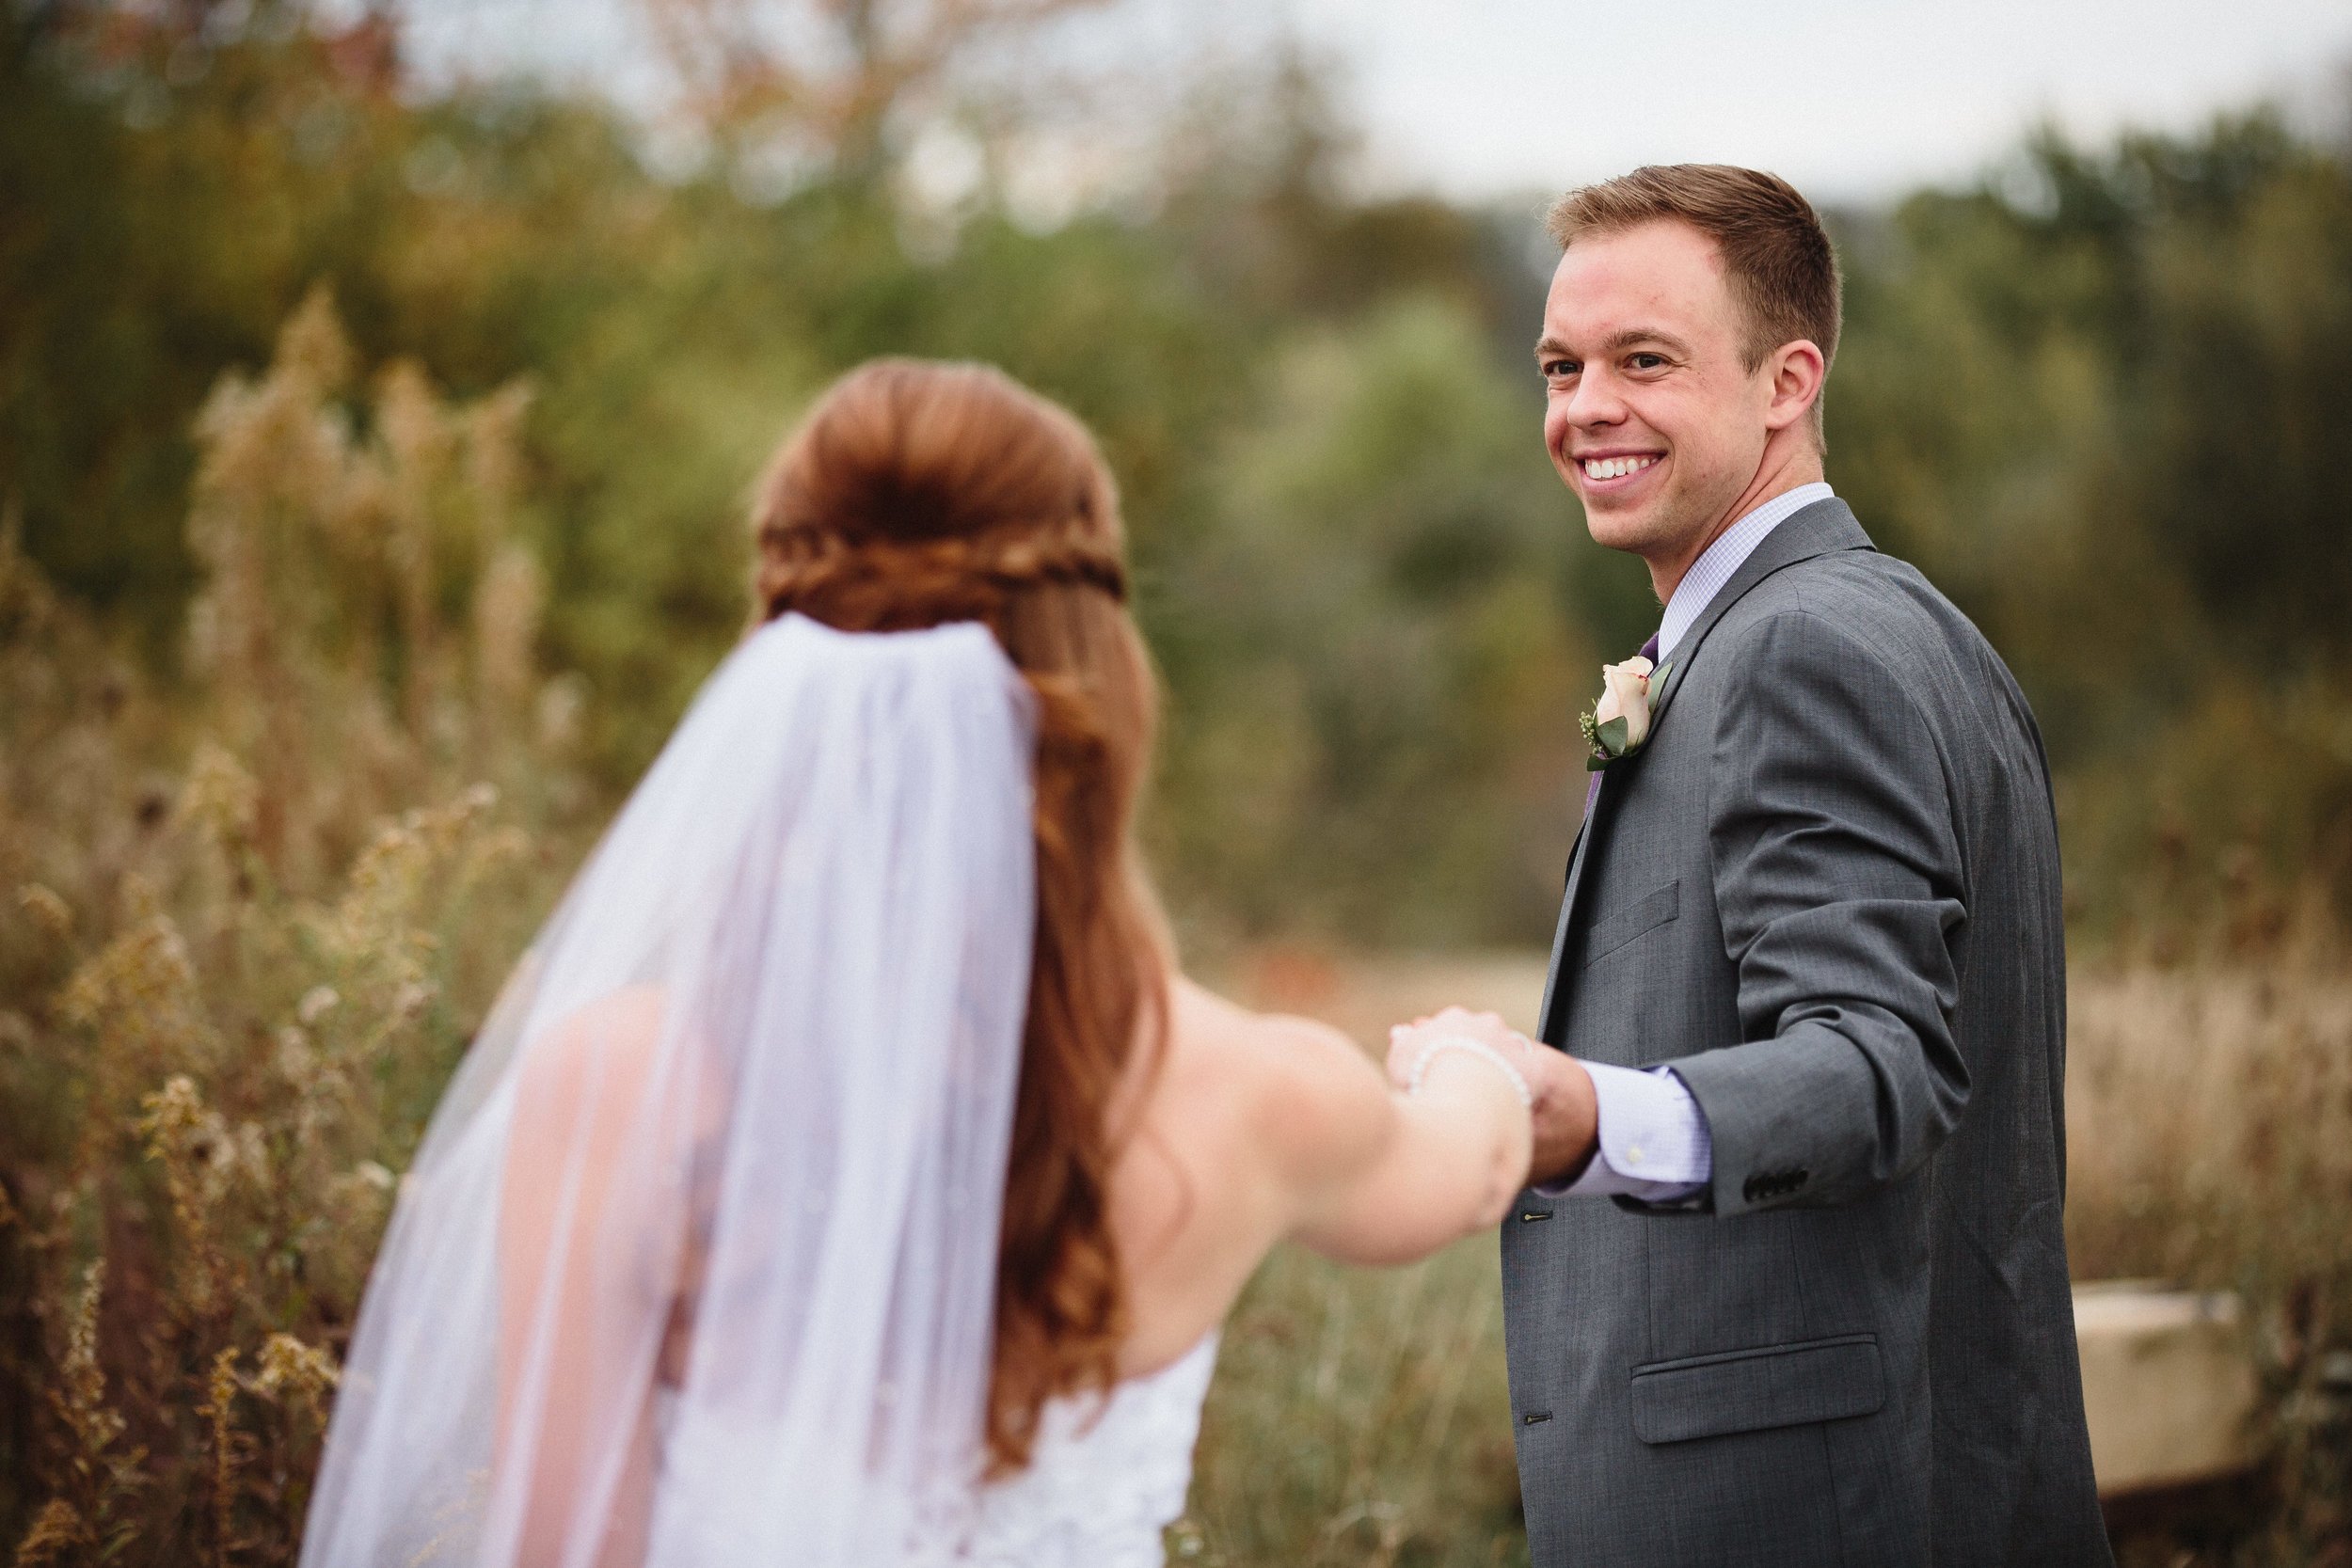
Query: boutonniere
{"points": [[1619, 724]]}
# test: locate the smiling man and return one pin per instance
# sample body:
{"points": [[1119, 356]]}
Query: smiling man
{"points": [[1671, 413], [1791, 1286]]}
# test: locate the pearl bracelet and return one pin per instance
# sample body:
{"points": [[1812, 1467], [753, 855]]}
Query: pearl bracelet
{"points": [[1479, 1048]]}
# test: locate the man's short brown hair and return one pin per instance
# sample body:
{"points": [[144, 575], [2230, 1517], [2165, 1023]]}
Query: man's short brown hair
{"points": [[1781, 267]]}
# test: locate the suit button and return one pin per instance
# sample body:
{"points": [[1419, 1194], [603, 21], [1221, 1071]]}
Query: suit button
{"points": [[1773, 1184]]}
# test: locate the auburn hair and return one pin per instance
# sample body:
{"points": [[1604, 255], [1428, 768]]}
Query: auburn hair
{"points": [[1776, 255], [916, 493]]}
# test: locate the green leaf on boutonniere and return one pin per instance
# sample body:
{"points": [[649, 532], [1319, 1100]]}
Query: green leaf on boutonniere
{"points": [[1611, 736], [1657, 681]]}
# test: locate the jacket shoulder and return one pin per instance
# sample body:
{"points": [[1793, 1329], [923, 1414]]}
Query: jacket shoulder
{"points": [[1873, 605], [1864, 620]]}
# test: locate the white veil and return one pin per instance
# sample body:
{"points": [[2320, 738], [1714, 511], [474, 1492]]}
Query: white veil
{"points": [[697, 1262]]}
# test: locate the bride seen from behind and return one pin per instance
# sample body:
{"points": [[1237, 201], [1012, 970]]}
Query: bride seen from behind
{"points": [[848, 1174]]}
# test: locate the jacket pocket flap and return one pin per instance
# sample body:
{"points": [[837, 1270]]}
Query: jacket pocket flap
{"points": [[1747, 1391], [1645, 914]]}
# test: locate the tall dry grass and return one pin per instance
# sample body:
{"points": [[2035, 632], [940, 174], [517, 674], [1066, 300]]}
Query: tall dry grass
{"points": [[2209, 1115], [1359, 1419], [249, 920]]}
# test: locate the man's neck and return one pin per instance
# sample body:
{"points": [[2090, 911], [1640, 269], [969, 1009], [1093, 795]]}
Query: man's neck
{"points": [[1778, 474]]}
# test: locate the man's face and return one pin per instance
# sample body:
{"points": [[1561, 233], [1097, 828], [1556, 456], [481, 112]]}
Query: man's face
{"points": [[1650, 414]]}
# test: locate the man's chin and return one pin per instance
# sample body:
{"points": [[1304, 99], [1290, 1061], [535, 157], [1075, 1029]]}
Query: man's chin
{"points": [[1628, 528]]}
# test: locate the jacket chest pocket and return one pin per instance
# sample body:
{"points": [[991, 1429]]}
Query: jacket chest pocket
{"points": [[1751, 1391], [1643, 915]]}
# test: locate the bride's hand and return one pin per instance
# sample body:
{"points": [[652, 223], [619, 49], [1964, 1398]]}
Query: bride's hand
{"points": [[1407, 1042], [1567, 1116], [1432, 1166]]}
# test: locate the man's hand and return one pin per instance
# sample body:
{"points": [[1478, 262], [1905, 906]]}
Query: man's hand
{"points": [[1567, 1114], [1567, 1118]]}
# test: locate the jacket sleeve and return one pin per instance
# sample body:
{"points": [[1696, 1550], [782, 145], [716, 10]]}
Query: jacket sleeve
{"points": [[1838, 880]]}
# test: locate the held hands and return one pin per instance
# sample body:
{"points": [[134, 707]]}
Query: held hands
{"points": [[1413, 1046], [1566, 1119]]}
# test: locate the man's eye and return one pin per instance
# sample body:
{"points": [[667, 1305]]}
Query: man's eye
{"points": [[1647, 361], [1560, 367]]}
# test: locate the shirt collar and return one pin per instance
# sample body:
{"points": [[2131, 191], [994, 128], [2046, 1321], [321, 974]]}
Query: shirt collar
{"points": [[1720, 559]]}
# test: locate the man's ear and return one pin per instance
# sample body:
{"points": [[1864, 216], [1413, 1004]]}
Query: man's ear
{"points": [[1797, 371]]}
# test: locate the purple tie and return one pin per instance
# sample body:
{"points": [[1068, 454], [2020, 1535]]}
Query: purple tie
{"points": [[1592, 789]]}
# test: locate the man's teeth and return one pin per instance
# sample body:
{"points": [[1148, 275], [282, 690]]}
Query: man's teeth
{"points": [[1615, 467]]}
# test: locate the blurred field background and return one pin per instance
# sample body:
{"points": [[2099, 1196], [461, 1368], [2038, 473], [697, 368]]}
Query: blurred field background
{"points": [[371, 460]]}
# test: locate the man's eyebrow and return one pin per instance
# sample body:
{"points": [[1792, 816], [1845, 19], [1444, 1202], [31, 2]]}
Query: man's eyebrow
{"points": [[1618, 342], [1633, 337]]}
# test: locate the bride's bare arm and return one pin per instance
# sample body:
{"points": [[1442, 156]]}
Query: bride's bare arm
{"points": [[577, 1308], [1377, 1175]]}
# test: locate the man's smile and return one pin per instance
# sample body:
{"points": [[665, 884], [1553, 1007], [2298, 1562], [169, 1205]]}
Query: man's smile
{"points": [[1617, 470]]}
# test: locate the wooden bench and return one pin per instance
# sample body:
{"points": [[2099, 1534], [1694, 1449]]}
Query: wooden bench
{"points": [[2169, 1386]]}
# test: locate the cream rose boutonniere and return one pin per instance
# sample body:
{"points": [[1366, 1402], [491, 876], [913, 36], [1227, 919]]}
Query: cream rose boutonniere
{"points": [[1619, 724]]}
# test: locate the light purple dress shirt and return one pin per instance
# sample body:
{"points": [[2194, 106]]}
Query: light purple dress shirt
{"points": [[1654, 1143]]}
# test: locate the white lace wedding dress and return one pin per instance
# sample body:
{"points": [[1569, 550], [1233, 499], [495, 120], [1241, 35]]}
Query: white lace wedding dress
{"points": [[1107, 1477], [1101, 1488]]}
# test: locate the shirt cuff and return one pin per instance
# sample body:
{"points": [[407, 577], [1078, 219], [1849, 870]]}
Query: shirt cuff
{"points": [[1654, 1142]]}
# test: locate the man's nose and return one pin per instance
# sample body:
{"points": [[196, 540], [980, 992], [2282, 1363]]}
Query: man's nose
{"points": [[1594, 401]]}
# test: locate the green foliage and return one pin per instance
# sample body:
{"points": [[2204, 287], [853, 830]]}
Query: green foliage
{"points": [[2106, 404], [2097, 399], [1372, 624], [669, 330]]}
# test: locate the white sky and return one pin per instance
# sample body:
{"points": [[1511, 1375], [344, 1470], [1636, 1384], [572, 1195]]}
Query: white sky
{"points": [[1850, 98]]}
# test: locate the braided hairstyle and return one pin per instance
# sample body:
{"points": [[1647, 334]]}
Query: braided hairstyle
{"points": [[916, 492]]}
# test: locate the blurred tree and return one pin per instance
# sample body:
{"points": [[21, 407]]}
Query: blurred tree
{"points": [[2104, 400], [1254, 187], [2098, 397], [833, 80], [1373, 626], [176, 185]]}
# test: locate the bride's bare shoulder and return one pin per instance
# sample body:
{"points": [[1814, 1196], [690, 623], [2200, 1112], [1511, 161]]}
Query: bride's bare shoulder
{"points": [[1203, 1017], [1303, 1091]]}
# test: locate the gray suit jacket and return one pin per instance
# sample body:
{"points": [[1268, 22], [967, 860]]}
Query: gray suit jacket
{"points": [[1827, 892]]}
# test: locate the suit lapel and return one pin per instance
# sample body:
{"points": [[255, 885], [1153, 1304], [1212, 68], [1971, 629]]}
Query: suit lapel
{"points": [[1824, 527], [1821, 529], [1544, 1030]]}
